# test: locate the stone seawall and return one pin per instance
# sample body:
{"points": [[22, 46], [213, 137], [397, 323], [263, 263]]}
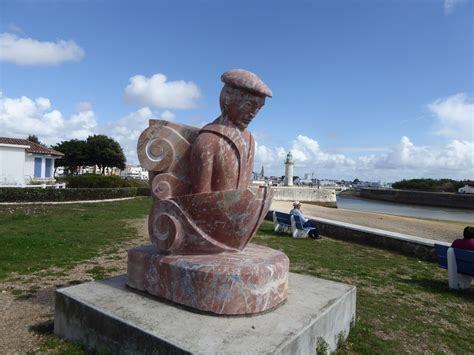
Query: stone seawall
{"points": [[421, 248], [304, 194], [438, 199]]}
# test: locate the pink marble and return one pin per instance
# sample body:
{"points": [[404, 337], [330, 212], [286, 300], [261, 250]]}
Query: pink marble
{"points": [[230, 283], [204, 215], [200, 177]]}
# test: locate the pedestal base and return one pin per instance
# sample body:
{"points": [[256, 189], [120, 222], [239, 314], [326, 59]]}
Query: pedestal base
{"points": [[253, 281], [106, 316]]}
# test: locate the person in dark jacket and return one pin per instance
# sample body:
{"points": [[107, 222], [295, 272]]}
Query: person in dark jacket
{"points": [[467, 242]]}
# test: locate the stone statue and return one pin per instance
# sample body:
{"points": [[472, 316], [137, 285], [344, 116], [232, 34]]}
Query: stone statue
{"points": [[204, 213], [222, 155], [201, 177]]}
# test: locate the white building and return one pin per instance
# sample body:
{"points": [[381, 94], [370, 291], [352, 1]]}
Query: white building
{"points": [[23, 162], [134, 172], [466, 189]]}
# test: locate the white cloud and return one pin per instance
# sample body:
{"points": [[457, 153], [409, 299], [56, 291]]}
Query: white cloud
{"points": [[168, 115], [455, 116], [449, 5], [403, 160], [456, 157], [84, 106], [307, 155], [262, 136], [266, 156], [22, 116], [28, 51], [157, 92], [307, 151], [127, 129]]}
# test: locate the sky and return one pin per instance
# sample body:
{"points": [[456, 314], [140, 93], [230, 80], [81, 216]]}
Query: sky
{"points": [[375, 90]]}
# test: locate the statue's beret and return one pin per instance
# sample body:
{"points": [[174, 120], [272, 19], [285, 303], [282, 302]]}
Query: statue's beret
{"points": [[246, 80]]}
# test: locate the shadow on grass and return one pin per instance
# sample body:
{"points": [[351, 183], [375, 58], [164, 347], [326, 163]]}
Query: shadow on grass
{"points": [[439, 287]]}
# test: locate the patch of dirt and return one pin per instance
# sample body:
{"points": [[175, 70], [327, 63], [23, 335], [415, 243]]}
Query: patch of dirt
{"points": [[27, 301]]}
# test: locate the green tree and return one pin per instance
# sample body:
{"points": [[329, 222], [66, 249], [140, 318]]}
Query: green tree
{"points": [[75, 155], [440, 185], [34, 138], [104, 152]]}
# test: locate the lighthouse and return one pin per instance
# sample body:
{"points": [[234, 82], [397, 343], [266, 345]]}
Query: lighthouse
{"points": [[289, 170]]}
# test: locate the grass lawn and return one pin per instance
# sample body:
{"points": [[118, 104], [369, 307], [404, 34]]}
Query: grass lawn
{"points": [[37, 237], [403, 304]]}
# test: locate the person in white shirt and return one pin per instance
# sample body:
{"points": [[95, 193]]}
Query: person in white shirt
{"points": [[305, 221]]}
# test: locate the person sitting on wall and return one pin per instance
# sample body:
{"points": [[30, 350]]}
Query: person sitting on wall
{"points": [[307, 223], [467, 242]]}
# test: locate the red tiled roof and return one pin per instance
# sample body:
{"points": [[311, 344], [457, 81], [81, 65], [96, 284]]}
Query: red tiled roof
{"points": [[34, 147]]}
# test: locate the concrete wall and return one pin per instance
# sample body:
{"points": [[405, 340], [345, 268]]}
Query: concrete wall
{"points": [[439, 199], [304, 194], [403, 243], [12, 162]]}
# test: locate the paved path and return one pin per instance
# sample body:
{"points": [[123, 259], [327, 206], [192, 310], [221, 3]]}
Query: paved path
{"points": [[65, 202], [424, 228]]}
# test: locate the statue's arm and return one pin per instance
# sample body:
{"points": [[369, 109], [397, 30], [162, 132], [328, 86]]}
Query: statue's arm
{"points": [[202, 158]]}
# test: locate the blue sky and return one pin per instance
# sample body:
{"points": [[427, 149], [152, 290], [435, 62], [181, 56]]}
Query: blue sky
{"points": [[378, 90]]}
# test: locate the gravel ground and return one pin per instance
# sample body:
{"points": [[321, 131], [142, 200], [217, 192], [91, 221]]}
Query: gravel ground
{"points": [[425, 228]]}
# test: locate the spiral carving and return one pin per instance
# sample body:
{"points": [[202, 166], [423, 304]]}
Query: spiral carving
{"points": [[159, 155], [160, 188], [165, 231]]}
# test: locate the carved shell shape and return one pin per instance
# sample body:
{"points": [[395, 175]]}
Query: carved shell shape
{"points": [[166, 186], [159, 155], [165, 231], [159, 148]]}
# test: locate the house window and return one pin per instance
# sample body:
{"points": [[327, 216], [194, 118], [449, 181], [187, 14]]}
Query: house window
{"points": [[47, 172], [38, 162]]}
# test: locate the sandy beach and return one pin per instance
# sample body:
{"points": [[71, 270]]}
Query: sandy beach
{"points": [[425, 228]]}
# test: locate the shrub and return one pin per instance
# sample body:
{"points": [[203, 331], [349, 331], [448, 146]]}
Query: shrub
{"points": [[143, 191], [12, 194], [94, 181], [446, 185]]}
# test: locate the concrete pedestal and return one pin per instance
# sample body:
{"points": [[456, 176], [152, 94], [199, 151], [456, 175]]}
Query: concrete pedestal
{"points": [[109, 316]]}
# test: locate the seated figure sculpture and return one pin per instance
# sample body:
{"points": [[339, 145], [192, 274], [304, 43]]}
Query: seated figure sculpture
{"points": [[204, 213]]}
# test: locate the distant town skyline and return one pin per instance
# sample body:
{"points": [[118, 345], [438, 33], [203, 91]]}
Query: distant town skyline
{"points": [[368, 90]]}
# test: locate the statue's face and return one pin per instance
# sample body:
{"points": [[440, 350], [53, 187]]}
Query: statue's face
{"points": [[241, 109]]}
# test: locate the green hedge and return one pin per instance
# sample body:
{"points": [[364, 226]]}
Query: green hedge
{"points": [[99, 181], [432, 185], [143, 191], [13, 194]]}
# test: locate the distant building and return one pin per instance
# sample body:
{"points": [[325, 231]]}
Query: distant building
{"points": [[466, 189], [23, 162], [133, 171], [93, 169], [327, 183], [371, 184]]}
